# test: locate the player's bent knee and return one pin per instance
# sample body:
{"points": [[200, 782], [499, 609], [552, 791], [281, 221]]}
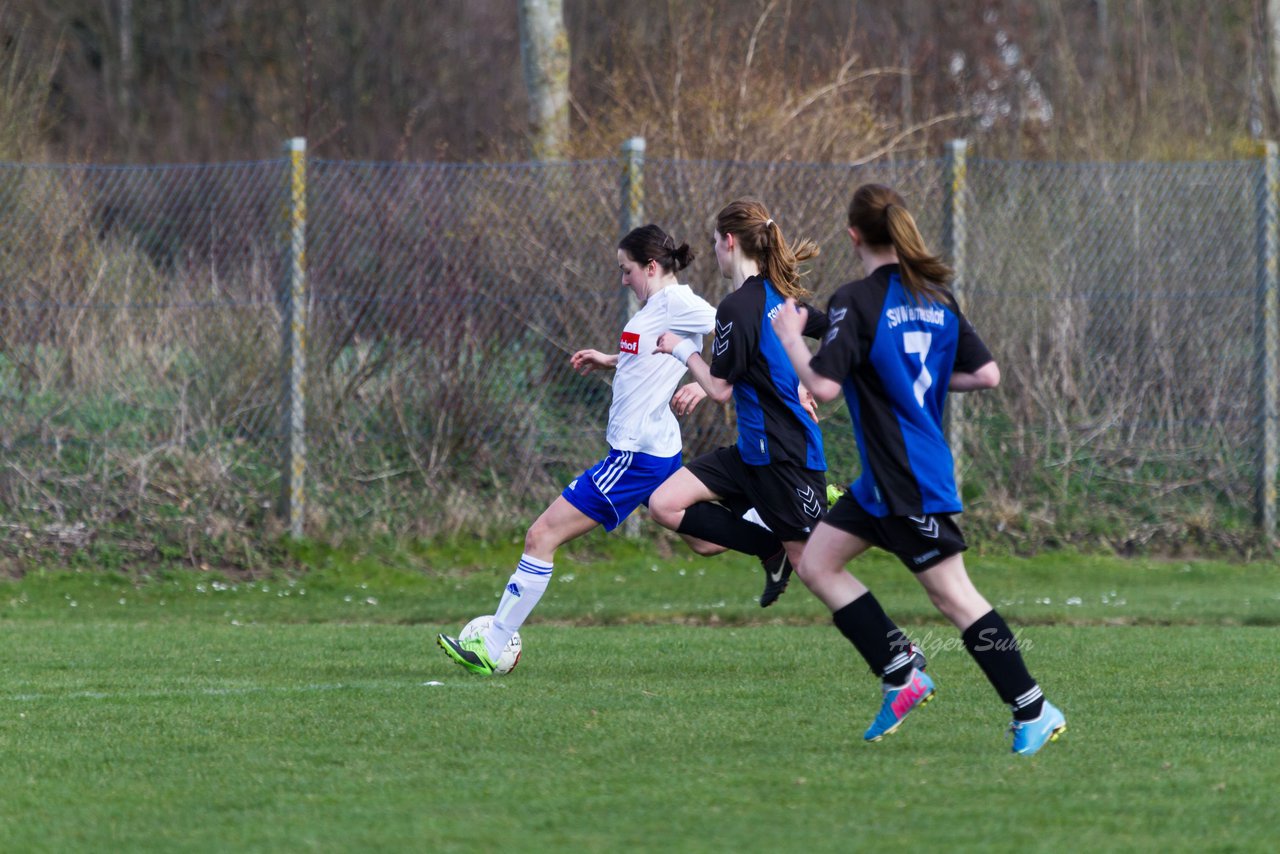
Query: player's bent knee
{"points": [[808, 572], [705, 549], [666, 513], [539, 538]]}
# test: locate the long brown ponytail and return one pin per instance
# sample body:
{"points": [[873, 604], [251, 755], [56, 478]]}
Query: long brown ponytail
{"points": [[881, 215], [762, 241]]}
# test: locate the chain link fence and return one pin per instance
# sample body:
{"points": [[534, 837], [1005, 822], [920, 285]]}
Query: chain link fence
{"points": [[1125, 304], [145, 372]]}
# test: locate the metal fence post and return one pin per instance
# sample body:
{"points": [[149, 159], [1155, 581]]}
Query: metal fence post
{"points": [[953, 239], [295, 343], [631, 198], [1268, 336], [631, 215]]}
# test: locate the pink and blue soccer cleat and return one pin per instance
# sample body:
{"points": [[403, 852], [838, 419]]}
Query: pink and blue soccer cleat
{"points": [[898, 703], [1030, 736]]}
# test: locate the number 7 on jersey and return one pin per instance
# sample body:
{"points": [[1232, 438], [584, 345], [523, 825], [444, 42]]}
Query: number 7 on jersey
{"points": [[917, 343]]}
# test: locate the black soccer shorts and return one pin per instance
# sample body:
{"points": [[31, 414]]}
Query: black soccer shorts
{"points": [[920, 542], [790, 499]]}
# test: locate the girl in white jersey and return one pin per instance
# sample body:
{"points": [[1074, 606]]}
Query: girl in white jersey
{"points": [[643, 434]]}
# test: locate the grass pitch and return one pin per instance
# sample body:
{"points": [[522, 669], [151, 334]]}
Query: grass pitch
{"points": [[653, 711]]}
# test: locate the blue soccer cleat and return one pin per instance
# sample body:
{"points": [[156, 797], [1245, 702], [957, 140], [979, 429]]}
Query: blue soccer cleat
{"points": [[1030, 736], [898, 703]]}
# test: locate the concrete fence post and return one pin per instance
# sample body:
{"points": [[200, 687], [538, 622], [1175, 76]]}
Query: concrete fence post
{"points": [[294, 347], [954, 241], [1268, 337], [631, 215], [631, 203]]}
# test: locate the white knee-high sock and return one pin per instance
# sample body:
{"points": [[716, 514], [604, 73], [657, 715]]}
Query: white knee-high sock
{"points": [[524, 589]]}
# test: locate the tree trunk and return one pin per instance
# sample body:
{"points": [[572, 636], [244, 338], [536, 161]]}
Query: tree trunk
{"points": [[1140, 58], [544, 52], [1272, 42], [126, 80], [1103, 65]]}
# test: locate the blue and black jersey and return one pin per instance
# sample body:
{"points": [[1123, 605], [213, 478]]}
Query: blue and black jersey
{"points": [[894, 357], [772, 425]]}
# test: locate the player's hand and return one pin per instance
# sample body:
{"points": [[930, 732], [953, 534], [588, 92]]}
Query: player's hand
{"points": [[808, 401], [586, 361], [667, 342], [687, 398], [789, 323]]}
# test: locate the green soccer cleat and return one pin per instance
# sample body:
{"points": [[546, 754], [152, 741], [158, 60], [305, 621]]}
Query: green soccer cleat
{"points": [[471, 654]]}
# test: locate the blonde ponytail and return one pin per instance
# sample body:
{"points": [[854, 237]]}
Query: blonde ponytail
{"points": [[762, 241]]}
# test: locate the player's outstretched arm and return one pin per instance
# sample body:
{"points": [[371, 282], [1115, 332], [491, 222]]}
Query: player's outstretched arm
{"points": [[987, 376], [586, 361], [716, 388]]}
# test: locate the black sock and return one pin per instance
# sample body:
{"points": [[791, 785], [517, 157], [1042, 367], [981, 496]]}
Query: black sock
{"points": [[993, 646], [717, 524], [881, 643]]}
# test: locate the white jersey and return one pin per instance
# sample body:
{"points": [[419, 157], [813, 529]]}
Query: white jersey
{"points": [[640, 417]]}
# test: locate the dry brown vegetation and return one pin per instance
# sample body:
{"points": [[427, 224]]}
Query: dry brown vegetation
{"points": [[829, 80]]}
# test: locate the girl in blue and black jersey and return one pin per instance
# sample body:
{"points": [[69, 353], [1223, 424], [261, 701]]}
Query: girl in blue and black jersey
{"points": [[896, 344], [777, 464]]}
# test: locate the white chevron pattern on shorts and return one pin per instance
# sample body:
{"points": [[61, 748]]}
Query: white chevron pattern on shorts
{"points": [[809, 500], [926, 525]]}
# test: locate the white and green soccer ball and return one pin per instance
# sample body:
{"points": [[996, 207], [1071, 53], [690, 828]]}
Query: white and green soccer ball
{"points": [[510, 656]]}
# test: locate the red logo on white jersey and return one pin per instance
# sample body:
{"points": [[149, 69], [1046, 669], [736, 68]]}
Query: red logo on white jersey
{"points": [[630, 343]]}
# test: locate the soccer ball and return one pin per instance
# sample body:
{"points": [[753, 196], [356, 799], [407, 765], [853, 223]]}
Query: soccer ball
{"points": [[510, 655]]}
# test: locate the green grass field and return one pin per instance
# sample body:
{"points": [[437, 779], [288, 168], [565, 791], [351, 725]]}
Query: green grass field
{"points": [[656, 709]]}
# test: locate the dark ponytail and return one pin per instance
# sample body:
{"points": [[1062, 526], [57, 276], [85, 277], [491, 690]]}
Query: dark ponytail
{"points": [[650, 243]]}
